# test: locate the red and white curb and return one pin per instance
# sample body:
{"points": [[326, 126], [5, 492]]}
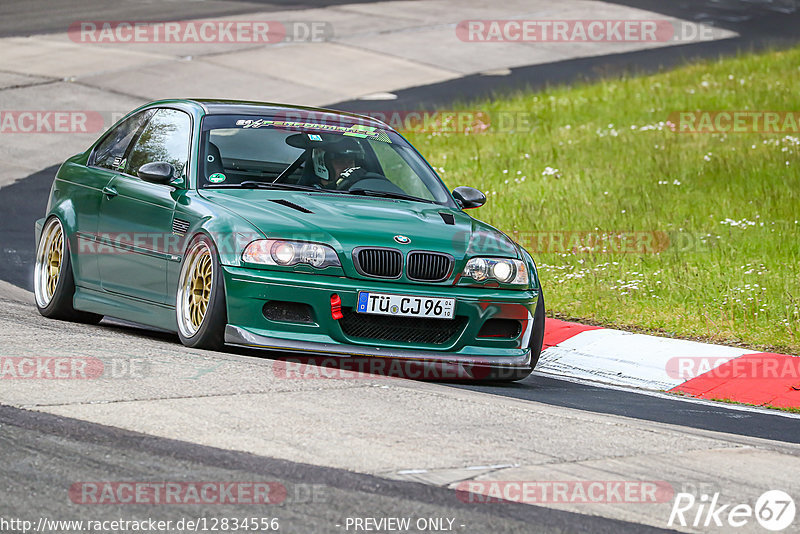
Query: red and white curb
{"points": [[700, 370]]}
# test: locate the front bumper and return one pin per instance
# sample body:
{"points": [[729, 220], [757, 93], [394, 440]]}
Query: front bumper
{"points": [[248, 290]]}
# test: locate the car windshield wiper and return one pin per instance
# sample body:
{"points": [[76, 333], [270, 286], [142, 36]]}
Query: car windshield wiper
{"points": [[252, 184], [388, 194]]}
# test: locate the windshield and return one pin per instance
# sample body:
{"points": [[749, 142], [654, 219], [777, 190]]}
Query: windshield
{"points": [[240, 151]]}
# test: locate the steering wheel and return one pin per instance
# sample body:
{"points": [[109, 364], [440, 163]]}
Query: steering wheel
{"points": [[357, 176]]}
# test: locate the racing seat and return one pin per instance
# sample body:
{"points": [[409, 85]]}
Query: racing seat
{"points": [[308, 178]]}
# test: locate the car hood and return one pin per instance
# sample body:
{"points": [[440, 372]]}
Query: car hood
{"points": [[349, 221]]}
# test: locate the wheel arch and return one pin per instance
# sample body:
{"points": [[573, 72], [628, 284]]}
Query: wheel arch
{"points": [[229, 233], [64, 211]]}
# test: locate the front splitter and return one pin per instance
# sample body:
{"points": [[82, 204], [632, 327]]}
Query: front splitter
{"points": [[446, 366]]}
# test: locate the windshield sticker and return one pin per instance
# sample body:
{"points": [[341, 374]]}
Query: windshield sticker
{"points": [[217, 178], [356, 130], [314, 137]]}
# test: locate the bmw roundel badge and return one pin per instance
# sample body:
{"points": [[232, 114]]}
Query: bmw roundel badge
{"points": [[403, 240]]}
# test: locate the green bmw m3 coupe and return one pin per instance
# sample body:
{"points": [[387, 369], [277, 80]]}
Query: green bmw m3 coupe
{"points": [[301, 230]]}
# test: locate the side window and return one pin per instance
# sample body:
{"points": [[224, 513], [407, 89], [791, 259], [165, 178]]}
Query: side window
{"points": [[110, 152], [398, 171], [165, 138]]}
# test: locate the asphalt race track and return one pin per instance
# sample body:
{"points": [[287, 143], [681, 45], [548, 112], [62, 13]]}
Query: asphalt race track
{"points": [[317, 497], [370, 448]]}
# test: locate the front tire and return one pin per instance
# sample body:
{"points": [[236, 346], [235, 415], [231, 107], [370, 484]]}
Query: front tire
{"points": [[200, 301], [535, 344], [53, 280]]}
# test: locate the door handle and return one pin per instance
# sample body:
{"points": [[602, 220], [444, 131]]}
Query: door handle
{"points": [[109, 191]]}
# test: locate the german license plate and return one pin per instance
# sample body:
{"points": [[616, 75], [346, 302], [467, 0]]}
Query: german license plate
{"points": [[405, 305]]}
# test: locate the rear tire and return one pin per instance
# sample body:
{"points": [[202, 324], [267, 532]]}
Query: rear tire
{"points": [[200, 301], [53, 280]]}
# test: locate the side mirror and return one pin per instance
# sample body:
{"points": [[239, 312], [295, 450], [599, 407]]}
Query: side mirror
{"points": [[157, 172], [469, 197]]}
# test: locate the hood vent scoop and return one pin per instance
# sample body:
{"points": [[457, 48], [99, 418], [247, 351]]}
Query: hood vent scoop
{"points": [[292, 205], [448, 218]]}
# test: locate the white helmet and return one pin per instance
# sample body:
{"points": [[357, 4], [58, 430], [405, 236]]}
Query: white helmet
{"points": [[322, 158]]}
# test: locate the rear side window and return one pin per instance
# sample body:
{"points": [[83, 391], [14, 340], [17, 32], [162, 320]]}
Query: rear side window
{"points": [[165, 138], [110, 153]]}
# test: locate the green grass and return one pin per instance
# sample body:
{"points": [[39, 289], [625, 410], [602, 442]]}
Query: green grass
{"points": [[728, 283], [789, 409]]}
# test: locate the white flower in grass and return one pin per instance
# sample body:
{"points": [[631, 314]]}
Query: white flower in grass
{"points": [[744, 223], [550, 171]]}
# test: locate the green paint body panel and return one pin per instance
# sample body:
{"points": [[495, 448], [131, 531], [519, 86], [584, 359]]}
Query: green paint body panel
{"points": [[248, 290], [126, 257]]}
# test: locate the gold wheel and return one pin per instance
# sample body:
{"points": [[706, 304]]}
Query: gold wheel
{"points": [[49, 260], [194, 291]]}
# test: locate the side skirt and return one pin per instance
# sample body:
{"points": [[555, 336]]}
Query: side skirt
{"points": [[126, 308]]}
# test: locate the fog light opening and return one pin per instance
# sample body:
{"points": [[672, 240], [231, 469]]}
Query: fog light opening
{"points": [[501, 328]]}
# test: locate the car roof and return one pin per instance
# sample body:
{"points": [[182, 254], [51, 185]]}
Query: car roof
{"points": [[244, 107]]}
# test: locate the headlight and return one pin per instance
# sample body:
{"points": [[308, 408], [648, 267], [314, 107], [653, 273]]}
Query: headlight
{"points": [[505, 271], [477, 269], [288, 253]]}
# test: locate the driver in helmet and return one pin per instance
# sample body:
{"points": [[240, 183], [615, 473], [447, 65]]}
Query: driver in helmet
{"points": [[337, 162]]}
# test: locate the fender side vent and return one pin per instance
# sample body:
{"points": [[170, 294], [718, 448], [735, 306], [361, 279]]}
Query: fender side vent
{"points": [[292, 205], [448, 218], [180, 227]]}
